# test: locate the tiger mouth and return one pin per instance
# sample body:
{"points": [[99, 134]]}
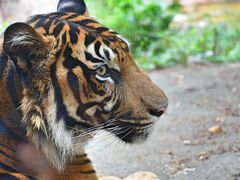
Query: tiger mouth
{"points": [[132, 131]]}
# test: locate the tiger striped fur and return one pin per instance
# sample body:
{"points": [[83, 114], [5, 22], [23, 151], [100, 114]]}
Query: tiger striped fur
{"points": [[64, 76]]}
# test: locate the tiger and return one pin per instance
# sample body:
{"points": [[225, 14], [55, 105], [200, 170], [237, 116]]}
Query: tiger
{"points": [[63, 77]]}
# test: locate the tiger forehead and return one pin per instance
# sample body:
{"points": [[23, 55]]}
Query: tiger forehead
{"points": [[72, 28]]}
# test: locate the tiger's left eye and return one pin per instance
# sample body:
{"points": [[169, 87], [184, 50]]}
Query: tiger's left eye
{"points": [[102, 71]]}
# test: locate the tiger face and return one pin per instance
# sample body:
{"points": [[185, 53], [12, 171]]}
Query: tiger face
{"points": [[78, 76]]}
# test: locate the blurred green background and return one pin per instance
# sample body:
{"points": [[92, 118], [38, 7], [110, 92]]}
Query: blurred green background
{"points": [[165, 34]]}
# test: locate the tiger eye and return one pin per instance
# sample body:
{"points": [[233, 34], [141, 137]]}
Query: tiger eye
{"points": [[102, 71]]}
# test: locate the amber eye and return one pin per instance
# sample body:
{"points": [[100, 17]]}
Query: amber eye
{"points": [[102, 71]]}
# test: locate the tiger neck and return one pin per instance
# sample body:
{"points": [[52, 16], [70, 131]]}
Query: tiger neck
{"points": [[57, 150]]}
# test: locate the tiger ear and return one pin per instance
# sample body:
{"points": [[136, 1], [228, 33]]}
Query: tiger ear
{"points": [[23, 44], [74, 6]]}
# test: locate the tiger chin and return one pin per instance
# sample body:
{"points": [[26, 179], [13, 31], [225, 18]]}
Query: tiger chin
{"points": [[78, 77]]}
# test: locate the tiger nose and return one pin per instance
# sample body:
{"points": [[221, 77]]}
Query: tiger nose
{"points": [[158, 112]]}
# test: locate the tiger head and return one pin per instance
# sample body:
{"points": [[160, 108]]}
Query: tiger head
{"points": [[79, 76]]}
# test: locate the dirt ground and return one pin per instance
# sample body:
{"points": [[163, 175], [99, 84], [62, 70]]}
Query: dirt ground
{"points": [[197, 139]]}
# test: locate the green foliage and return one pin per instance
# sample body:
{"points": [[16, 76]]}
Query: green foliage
{"points": [[135, 19], [216, 43], [141, 23], [3, 26], [155, 43]]}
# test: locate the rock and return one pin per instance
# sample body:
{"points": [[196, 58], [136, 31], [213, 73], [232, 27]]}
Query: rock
{"points": [[187, 142], [203, 155], [109, 178], [215, 129], [142, 175]]}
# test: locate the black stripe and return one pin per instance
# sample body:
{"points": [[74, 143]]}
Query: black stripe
{"points": [[89, 57], [5, 176], [6, 131], [57, 44], [115, 75], [3, 63], [58, 29], [56, 14], [71, 63], [128, 116], [73, 36], [97, 49], [86, 21], [102, 29], [130, 124], [64, 38], [87, 161], [107, 42], [8, 156], [118, 103], [107, 54], [88, 172], [86, 90], [3, 145], [82, 155], [116, 106], [73, 33], [70, 17], [47, 25], [89, 39], [7, 168], [61, 108], [12, 87], [40, 22], [33, 19], [31, 177], [74, 85]]}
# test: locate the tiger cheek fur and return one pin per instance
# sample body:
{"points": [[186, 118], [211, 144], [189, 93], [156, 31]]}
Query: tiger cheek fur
{"points": [[77, 77]]}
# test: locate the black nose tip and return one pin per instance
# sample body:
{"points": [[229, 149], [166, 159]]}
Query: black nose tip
{"points": [[157, 112]]}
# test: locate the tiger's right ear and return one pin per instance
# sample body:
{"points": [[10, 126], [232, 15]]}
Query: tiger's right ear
{"points": [[23, 43], [73, 6]]}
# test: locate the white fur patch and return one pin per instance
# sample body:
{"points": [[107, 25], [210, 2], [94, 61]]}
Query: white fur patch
{"points": [[124, 39], [62, 137], [112, 55], [109, 79], [22, 39], [91, 50]]}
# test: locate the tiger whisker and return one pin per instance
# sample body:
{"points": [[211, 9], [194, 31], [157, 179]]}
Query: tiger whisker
{"points": [[108, 137], [112, 130], [81, 141], [100, 126], [91, 130]]}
